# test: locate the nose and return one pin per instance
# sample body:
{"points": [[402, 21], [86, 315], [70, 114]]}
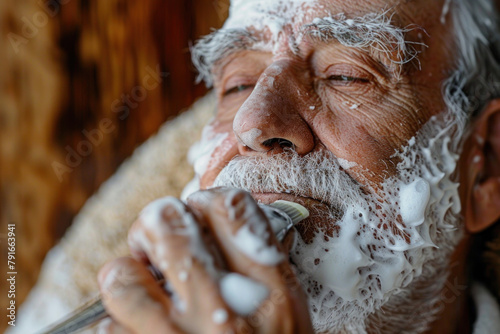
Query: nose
{"points": [[269, 120]]}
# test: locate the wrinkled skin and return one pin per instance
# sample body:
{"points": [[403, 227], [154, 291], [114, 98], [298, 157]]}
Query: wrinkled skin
{"points": [[310, 106]]}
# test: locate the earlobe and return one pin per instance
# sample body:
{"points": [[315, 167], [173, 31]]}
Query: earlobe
{"points": [[481, 171]]}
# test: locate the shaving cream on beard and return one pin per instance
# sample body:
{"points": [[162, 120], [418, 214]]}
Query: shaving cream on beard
{"points": [[383, 244]]}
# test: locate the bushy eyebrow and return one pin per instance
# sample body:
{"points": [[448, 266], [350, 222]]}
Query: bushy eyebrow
{"points": [[371, 32], [216, 46]]}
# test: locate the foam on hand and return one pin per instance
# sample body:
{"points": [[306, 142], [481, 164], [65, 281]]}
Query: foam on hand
{"points": [[242, 294], [253, 243], [252, 238]]}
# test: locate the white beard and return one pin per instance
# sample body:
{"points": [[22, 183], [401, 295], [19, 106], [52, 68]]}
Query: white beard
{"points": [[366, 267]]}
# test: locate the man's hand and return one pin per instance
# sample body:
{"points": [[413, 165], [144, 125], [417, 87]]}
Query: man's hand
{"points": [[225, 271]]}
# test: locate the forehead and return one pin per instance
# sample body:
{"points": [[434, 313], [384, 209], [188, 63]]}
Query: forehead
{"points": [[256, 24], [275, 14]]}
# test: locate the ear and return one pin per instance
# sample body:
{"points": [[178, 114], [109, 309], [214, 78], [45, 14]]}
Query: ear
{"points": [[480, 166]]}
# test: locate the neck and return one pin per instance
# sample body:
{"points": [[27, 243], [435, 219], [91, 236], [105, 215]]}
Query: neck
{"points": [[440, 295], [455, 316]]}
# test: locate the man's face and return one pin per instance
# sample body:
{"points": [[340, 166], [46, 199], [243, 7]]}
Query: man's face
{"points": [[357, 103], [321, 105]]}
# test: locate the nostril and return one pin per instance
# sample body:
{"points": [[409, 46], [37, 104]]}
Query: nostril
{"points": [[280, 142], [285, 143]]}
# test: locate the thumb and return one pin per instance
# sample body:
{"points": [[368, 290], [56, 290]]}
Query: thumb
{"points": [[289, 240]]}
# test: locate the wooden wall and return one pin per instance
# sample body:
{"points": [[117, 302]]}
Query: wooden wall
{"points": [[71, 70]]}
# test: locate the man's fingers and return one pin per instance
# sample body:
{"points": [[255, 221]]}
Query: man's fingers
{"points": [[266, 285], [289, 240], [108, 326], [170, 236], [243, 234], [133, 298]]}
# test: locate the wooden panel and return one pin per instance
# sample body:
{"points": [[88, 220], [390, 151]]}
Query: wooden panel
{"points": [[79, 91]]}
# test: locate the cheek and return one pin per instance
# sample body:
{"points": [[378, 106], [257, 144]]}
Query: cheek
{"points": [[219, 159], [347, 138], [367, 129]]}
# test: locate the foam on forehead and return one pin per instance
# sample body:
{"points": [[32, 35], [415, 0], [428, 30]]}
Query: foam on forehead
{"points": [[260, 13]]}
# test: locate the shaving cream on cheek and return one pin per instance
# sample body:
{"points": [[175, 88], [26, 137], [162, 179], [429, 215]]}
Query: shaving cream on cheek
{"points": [[200, 157], [414, 199], [337, 268], [383, 244], [200, 153]]}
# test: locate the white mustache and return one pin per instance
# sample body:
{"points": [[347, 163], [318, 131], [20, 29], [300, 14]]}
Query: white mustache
{"points": [[317, 175]]}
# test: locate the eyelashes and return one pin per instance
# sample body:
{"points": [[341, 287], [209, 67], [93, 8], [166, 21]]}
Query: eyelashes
{"points": [[336, 80], [237, 89], [344, 80]]}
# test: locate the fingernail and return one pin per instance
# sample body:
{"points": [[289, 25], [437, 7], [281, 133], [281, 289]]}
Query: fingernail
{"points": [[290, 240], [173, 215], [110, 282], [158, 209], [100, 276], [167, 215], [118, 276], [237, 204], [103, 272]]}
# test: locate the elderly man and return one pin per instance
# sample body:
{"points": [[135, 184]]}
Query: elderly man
{"points": [[381, 118]]}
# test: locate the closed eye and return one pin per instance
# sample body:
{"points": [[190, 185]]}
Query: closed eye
{"points": [[237, 89], [346, 80]]}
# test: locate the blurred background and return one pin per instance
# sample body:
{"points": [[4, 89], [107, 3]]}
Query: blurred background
{"points": [[83, 83]]}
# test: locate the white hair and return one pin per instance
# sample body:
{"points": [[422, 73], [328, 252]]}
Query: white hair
{"points": [[371, 32], [475, 78], [216, 46]]}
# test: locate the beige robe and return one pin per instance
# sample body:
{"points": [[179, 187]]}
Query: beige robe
{"points": [[98, 234]]}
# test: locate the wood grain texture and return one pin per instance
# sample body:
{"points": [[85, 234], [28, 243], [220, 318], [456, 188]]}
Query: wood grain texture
{"points": [[79, 90]]}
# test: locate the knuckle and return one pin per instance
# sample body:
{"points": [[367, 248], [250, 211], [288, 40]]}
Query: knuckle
{"points": [[238, 197], [237, 202], [163, 215], [117, 276], [136, 235], [139, 299], [153, 211], [160, 219], [202, 197], [237, 193]]}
